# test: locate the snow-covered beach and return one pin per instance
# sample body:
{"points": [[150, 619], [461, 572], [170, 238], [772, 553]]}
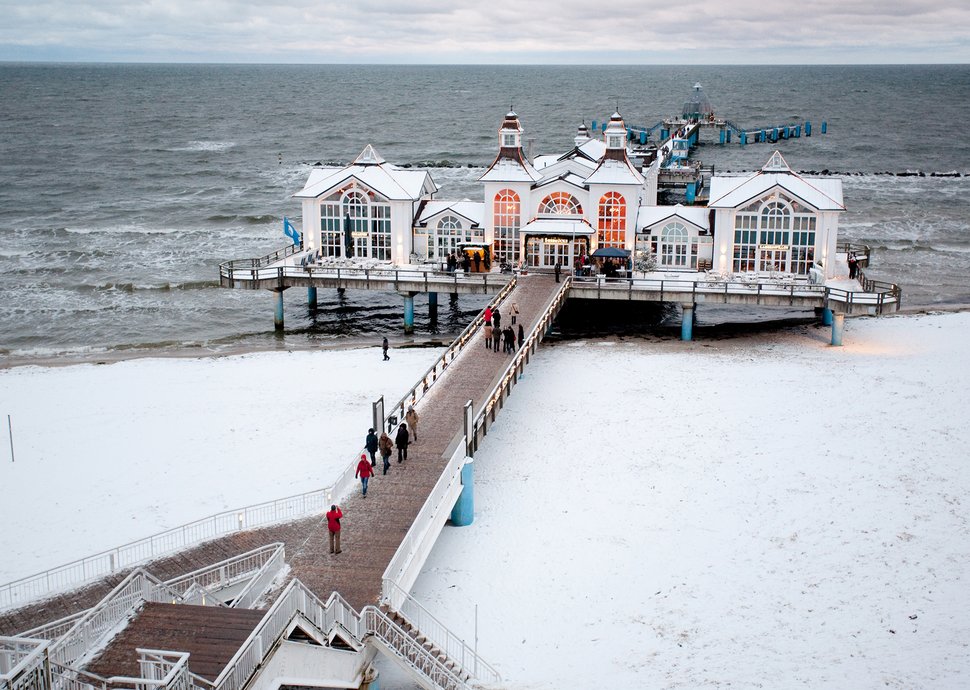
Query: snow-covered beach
{"points": [[757, 511]]}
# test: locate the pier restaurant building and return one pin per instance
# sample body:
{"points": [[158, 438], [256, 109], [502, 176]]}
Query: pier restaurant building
{"points": [[558, 208]]}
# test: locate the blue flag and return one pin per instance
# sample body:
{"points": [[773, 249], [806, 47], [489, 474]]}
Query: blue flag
{"points": [[290, 231]]}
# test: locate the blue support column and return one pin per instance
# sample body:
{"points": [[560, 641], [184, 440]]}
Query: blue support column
{"points": [[687, 323], [838, 326], [743, 139], [643, 137], [825, 126], [463, 513], [691, 192], [433, 306], [311, 298], [826, 317], [728, 135], [409, 313], [723, 134], [278, 312], [808, 128]]}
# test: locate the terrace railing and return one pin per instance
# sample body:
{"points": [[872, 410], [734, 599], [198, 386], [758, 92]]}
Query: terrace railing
{"points": [[24, 664]]}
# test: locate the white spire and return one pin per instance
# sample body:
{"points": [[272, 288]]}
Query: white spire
{"points": [[369, 156], [776, 164]]}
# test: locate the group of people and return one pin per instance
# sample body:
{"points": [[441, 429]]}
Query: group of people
{"points": [[452, 262], [496, 336], [407, 433]]}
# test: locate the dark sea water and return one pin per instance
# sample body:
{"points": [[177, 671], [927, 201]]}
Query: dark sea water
{"points": [[122, 187]]}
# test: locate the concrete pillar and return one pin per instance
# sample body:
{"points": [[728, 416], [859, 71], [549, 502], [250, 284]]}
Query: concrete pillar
{"points": [[409, 313], [687, 322], [311, 298], [463, 513], [433, 306], [278, 313], [838, 325], [826, 316]]}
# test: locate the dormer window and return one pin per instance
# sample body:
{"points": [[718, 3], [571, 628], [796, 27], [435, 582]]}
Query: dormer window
{"points": [[508, 140], [615, 142]]}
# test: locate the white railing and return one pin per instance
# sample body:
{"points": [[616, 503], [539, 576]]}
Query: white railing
{"points": [[229, 571], [89, 630], [413, 551], [23, 664], [444, 639], [25, 590], [296, 598], [259, 582], [398, 642], [160, 670]]}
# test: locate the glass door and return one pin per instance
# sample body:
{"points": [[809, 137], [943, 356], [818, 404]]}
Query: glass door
{"points": [[774, 259]]}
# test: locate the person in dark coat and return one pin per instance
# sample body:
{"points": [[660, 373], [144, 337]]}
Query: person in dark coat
{"points": [[387, 447], [401, 440], [466, 263], [365, 471], [521, 337], [384, 346], [370, 443], [558, 270], [509, 339], [497, 318], [333, 526], [478, 262]]}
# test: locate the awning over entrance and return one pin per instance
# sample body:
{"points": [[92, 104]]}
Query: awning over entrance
{"points": [[554, 227]]}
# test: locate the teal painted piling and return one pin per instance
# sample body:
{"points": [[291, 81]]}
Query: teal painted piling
{"points": [[463, 514], [687, 323], [826, 317], [691, 192], [838, 326], [278, 312], [409, 313], [311, 298]]}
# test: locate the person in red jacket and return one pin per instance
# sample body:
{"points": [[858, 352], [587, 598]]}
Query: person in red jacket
{"points": [[364, 471], [333, 526]]}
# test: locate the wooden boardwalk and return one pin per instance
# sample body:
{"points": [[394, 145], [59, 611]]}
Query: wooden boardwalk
{"points": [[373, 527]]}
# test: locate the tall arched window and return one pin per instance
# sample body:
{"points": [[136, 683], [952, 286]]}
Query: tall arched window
{"points": [[561, 204], [674, 245], [774, 234], [448, 234], [357, 214], [506, 215], [612, 220]]}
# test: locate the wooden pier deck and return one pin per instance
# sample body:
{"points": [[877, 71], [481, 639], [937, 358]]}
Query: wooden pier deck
{"points": [[373, 527]]}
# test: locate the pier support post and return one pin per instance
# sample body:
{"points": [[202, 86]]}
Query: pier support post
{"points": [[687, 323], [838, 326], [463, 513], [826, 316], [691, 193], [433, 306], [278, 312], [311, 298], [409, 313]]}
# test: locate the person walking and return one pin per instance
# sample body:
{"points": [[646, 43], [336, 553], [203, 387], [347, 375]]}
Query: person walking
{"points": [[412, 419], [488, 336], [558, 270], [521, 337], [514, 311], [365, 471], [370, 443], [384, 347], [488, 316], [333, 527], [401, 440], [386, 446], [496, 337], [853, 265], [509, 340]]}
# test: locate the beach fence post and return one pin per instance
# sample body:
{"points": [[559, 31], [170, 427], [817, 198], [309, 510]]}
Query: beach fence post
{"points": [[10, 432]]}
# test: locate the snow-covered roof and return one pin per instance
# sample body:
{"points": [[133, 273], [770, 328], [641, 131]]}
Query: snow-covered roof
{"points": [[557, 226], [567, 177], [823, 194], [611, 171], [370, 169], [648, 216], [509, 170], [473, 211]]}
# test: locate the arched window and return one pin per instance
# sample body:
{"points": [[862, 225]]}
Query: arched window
{"points": [[612, 220], [506, 217], [448, 235], [356, 215], [674, 245], [774, 234], [561, 204]]}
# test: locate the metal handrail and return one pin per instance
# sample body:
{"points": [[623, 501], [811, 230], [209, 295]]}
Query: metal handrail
{"points": [[440, 635]]}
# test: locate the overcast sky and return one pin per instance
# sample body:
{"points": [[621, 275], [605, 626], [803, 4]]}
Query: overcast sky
{"points": [[488, 31]]}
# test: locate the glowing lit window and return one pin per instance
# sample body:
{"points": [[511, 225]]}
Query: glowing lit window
{"points": [[506, 218], [561, 204], [612, 220]]}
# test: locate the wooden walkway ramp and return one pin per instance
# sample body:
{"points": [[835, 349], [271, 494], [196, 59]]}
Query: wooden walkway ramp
{"points": [[373, 527]]}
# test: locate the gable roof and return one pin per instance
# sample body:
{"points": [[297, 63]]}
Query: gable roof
{"points": [[823, 194], [371, 171], [472, 211], [648, 216]]}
